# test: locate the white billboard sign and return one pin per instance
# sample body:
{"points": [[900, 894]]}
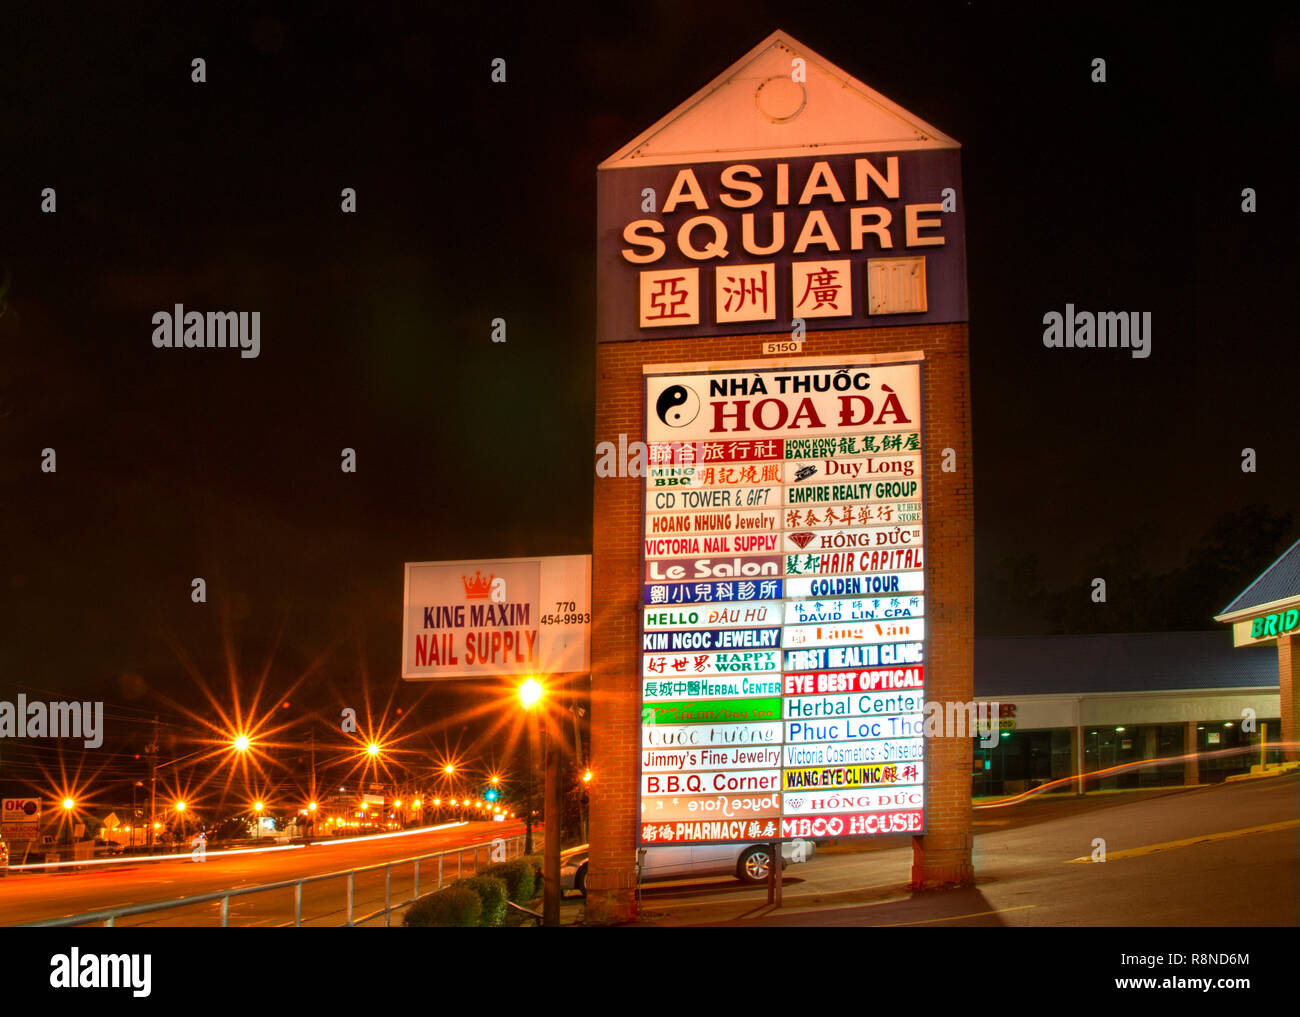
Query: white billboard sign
{"points": [[500, 616]]}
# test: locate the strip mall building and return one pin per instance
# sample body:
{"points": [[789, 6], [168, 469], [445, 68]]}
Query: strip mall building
{"points": [[1080, 704]]}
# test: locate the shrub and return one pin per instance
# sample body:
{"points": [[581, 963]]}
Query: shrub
{"points": [[492, 892], [452, 906], [520, 879], [536, 861]]}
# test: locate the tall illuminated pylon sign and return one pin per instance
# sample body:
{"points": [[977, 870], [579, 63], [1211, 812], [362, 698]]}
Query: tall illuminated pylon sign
{"points": [[782, 320]]}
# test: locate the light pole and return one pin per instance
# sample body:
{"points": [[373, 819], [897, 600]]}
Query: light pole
{"points": [[152, 752], [312, 789], [554, 818], [582, 812], [575, 712], [134, 818], [529, 694]]}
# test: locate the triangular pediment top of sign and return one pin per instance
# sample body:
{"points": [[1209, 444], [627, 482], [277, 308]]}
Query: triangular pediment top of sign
{"points": [[755, 109]]}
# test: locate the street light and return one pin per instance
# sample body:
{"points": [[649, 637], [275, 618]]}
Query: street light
{"points": [[530, 692]]}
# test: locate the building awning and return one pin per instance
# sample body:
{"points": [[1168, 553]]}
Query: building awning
{"points": [[1269, 606]]}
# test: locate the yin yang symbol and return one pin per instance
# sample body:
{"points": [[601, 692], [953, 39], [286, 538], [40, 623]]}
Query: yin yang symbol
{"points": [[677, 405]]}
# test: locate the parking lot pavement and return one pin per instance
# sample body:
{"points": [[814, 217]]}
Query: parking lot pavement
{"points": [[833, 880], [1238, 844]]}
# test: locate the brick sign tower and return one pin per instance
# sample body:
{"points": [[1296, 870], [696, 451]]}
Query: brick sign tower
{"points": [[782, 571]]}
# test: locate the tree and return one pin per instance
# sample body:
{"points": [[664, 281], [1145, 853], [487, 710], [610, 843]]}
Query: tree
{"points": [[1228, 555]]}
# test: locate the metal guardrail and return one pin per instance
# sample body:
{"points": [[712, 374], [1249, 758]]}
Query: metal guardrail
{"points": [[109, 916], [535, 915]]}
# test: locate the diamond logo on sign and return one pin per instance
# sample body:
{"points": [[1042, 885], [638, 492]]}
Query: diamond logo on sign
{"points": [[802, 538]]}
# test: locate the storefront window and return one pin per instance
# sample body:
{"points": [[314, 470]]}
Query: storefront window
{"points": [[1023, 760]]}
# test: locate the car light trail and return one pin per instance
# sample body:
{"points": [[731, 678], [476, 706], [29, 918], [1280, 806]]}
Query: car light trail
{"points": [[185, 857], [1160, 761]]}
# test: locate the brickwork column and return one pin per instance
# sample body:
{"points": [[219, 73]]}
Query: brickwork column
{"points": [[1191, 767], [1288, 678], [942, 856], [1076, 757], [615, 685]]}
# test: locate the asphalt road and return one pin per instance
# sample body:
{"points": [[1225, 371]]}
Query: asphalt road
{"points": [[1223, 855], [26, 898]]}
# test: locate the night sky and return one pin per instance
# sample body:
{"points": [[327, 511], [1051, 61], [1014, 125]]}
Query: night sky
{"points": [[476, 201]]}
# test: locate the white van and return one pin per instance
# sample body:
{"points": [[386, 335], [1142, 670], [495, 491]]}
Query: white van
{"points": [[750, 863]]}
